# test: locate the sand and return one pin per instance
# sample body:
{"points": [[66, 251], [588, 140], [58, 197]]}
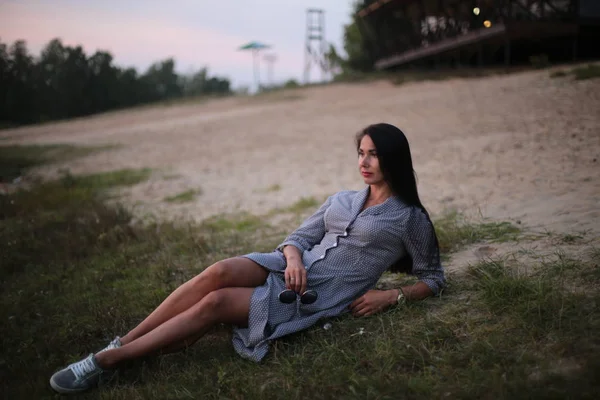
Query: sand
{"points": [[523, 147]]}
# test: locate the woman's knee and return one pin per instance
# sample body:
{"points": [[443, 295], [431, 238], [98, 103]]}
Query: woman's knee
{"points": [[214, 300], [218, 275], [229, 305], [213, 305], [232, 272]]}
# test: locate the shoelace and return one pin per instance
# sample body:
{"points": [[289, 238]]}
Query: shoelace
{"points": [[83, 367], [115, 344]]}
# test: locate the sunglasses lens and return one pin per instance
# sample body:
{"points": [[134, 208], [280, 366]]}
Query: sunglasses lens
{"points": [[287, 296], [309, 297]]}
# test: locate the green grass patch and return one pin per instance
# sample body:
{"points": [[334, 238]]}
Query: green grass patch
{"points": [[241, 222], [590, 71], [15, 160], [294, 213], [542, 301], [269, 189], [558, 74], [277, 95], [595, 254], [107, 180], [303, 204], [571, 238], [75, 272], [171, 177], [184, 197], [273, 188], [406, 76], [506, 289], [455, 231]]}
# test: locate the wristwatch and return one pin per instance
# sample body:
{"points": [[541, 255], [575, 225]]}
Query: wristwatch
{"points": [[401, 298]]}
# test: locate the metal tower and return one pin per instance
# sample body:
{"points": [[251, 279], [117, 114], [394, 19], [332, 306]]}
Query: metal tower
{"points": [[316, 46], [270, 60]]}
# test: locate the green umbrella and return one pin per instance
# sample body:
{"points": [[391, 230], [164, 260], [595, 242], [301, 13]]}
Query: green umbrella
{"points": [[255, 47]]}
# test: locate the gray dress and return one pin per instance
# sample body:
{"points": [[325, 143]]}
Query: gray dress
{"points": [[345, 251]]}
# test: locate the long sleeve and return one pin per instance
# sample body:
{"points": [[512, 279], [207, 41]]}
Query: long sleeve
{"points": [[310, 232], [419, 242]]}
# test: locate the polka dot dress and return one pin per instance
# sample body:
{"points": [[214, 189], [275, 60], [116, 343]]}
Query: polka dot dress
{"points": [[345, 251]]}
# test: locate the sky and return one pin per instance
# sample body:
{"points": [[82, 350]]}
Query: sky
{"points": [[196, 33]]}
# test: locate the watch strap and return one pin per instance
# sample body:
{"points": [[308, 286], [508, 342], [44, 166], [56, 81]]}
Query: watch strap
{"points": [[401, 299]]}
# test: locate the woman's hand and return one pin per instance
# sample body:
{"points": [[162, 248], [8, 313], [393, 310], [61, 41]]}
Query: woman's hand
{"points": [[295, 273], [295, 276], [372, 302]]}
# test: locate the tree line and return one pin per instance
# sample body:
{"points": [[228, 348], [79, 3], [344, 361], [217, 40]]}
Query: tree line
{"points": [[360, 56], [63, 82]]}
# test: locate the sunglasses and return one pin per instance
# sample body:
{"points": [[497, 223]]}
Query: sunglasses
{"points": [[289, 296]]}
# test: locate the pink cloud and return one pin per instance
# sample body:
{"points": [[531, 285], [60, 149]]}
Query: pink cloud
{"points": [[132, 39]]}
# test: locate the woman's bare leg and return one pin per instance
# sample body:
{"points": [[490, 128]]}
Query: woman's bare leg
{"points": [[179, 346], [233, 272], [229, 305]]}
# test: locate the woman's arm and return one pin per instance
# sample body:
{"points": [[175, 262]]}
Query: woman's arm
{"points": [[375, 301], [420, 243], [310, 232], [418, 291]]}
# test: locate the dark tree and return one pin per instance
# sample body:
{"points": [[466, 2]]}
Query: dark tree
{"points": [[63, 82]]}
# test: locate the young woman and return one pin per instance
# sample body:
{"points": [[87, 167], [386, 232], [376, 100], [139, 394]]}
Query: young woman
{"points": [[326, 267]]}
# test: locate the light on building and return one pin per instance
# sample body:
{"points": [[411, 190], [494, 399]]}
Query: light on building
{"points": [[487, 23], [476, 11]]}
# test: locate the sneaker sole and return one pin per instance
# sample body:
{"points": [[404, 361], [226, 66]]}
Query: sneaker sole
{"points": [[62, 390]]}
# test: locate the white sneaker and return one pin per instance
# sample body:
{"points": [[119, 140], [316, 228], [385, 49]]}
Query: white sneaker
{"points": [[115, 344], [77, 377]]}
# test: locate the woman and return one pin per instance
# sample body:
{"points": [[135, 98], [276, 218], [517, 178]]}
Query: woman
{"points": [[338, 253]]}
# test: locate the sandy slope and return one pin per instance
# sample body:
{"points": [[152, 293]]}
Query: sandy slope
{"points": [[524, 147]]}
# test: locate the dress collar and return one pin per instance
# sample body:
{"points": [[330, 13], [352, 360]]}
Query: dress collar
{"points": [[359, 201], [361, 197]]}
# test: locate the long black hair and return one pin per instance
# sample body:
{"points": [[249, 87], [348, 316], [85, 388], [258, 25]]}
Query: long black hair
{"points": [[395, 162]]}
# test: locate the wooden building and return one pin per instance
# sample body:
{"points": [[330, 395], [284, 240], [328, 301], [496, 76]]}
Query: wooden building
{"points": [[479, 32]]}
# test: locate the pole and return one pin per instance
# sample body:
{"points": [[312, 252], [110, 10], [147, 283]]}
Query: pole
{"points": [[270, 60], [323, 48], [507, 51], [256, 69]]}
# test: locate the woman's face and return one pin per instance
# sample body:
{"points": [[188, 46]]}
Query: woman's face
{"points": [[368, 163]]}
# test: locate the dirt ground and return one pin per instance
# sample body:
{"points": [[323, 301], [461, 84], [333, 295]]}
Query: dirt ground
{"points": [[520, 147]]}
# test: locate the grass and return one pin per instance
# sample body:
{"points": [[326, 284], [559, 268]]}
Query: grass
{"points": [[558, 74], [278, 95], [455, 231], [405, 76], [571, 238], [184, 197], [399, 77], [75, 272], [589, 71], [273, 188], [107, 180], [303, 204], [241, 223], [16, 159]]}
